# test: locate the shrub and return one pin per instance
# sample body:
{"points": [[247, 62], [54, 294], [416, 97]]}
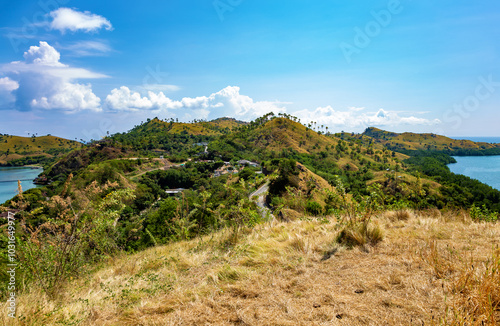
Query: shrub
{"points": [[482, 213], [314, 208]]}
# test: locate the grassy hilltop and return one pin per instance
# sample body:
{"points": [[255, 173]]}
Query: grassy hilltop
{"points": [[267, 222], [16, 150]]}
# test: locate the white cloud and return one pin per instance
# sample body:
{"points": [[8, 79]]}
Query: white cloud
{"points": [[69, 19], [43, 55], [232, 103], [355, 118], [226, 102], [70, 97], [46, 83], [123, 99]]}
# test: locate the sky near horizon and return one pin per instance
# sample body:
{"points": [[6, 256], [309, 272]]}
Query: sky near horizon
{"points": [[80, 69]]}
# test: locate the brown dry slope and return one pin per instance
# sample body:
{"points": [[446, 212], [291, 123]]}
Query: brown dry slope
{"points": [[279, 274]]}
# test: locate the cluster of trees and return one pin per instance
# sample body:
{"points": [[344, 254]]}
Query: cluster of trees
{"points": [[31, 160]]}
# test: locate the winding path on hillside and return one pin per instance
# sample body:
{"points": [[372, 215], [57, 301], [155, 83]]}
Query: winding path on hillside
{"points": [[260, 201]]}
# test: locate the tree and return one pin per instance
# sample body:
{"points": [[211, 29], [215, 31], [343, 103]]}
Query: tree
{"points": [[246, 173], [287, 175]]}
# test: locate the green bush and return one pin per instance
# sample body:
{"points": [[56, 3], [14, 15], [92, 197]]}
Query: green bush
{"points": [[482, 213], [314, 208]]}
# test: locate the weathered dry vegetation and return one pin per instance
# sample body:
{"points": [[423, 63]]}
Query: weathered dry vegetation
{"points": [[431, 268]]}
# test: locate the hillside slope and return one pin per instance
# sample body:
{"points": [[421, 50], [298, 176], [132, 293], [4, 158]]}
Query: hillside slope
{"points": [[293, 274], [272, 136]]}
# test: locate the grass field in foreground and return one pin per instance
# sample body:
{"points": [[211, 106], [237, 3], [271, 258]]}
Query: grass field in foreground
{"points": [[431, 268]]}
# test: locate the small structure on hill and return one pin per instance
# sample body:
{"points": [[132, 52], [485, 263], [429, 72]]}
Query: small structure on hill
{"points": [[174, 191], [248, 163]]}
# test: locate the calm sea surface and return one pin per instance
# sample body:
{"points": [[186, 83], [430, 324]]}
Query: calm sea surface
{"points": [[9, 177], [483, 168]]}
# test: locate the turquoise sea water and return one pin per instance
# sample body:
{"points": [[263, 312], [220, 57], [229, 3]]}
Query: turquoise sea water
{"points": [[483, 168], [9, 177]]}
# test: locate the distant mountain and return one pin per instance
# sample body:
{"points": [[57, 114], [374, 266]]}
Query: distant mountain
{"points": [[408, 141], [16, 150]]}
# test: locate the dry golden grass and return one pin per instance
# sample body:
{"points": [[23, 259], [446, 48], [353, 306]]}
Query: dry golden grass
{"points": [[293, 274]]}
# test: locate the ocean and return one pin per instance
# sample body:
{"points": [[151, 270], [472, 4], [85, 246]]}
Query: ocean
{"points": [[492, 140], [483, 168], [9, 177]]}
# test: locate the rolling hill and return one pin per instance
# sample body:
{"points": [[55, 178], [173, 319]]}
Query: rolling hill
{"points": [[18, 150], [215, 127], [412, 142]]}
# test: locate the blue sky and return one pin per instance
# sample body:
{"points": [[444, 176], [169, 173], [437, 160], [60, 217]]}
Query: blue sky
{"points": [[78, 69]]}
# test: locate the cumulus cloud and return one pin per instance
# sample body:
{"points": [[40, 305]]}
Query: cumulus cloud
{"points": [[43, 55], [70, 97], [356, 118], [72, 20], [226, 102], [43, 82], [123, 99]]}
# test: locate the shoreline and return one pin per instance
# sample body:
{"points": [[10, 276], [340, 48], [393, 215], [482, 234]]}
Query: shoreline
{"points": [[32, 166]]}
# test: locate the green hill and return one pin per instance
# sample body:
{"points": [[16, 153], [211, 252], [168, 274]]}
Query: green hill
{"points": [[197, 128], [16, 150]]}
